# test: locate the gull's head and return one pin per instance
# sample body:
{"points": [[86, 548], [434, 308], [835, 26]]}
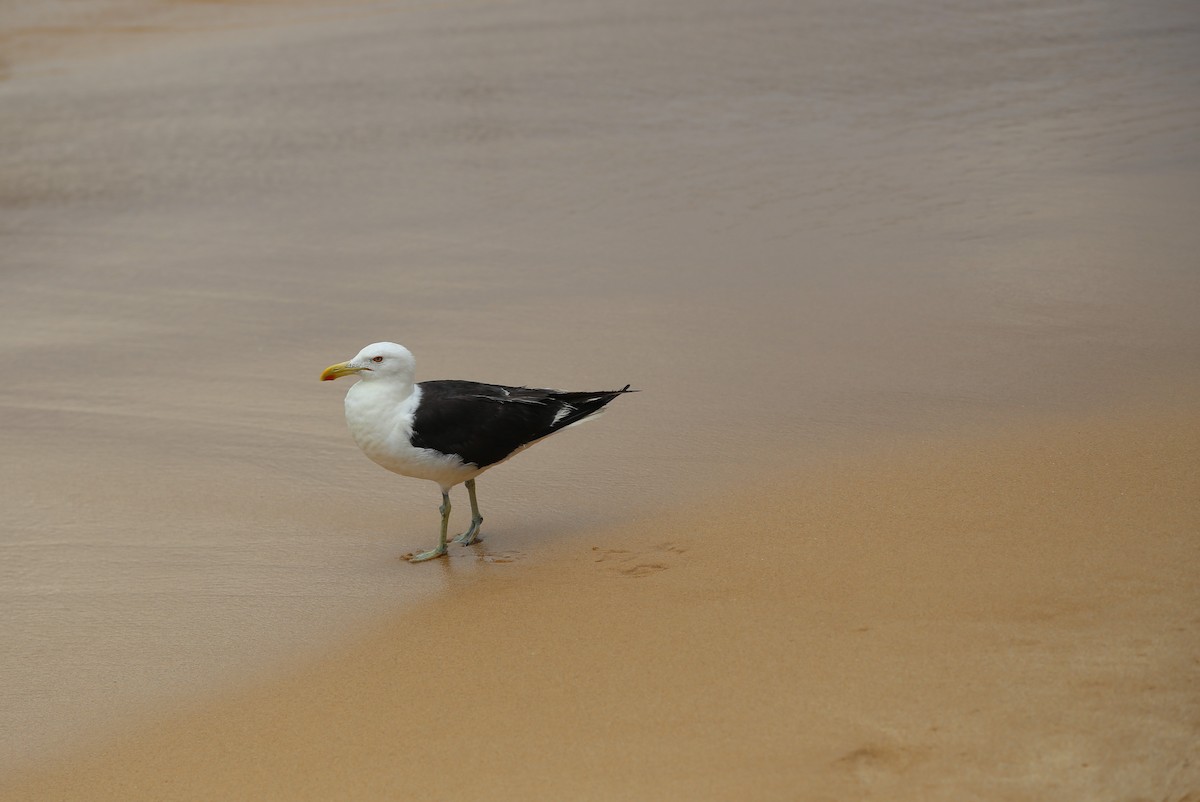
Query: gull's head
{"points": [[376, 361]]}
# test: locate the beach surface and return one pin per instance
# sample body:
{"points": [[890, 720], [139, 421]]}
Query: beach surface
{"points": [[907, 507], [1012, 617]]}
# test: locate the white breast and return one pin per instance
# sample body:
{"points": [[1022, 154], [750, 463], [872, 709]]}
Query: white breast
{"points": [[381, 423]]}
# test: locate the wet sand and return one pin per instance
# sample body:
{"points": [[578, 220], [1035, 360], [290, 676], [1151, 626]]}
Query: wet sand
{"points": [[917, 289], [1010, 617]]}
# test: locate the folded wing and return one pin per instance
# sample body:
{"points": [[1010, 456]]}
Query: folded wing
{"points": [[486, 423]]}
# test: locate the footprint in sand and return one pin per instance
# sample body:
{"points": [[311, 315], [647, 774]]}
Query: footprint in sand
{"points": [[638, 563], [872, 762], [502, 557]]}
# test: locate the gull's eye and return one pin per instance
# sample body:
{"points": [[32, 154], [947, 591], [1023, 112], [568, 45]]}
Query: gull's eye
{"points": [[376, 359]]}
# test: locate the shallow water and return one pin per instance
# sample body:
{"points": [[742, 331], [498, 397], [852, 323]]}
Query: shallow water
{"points": [[796, 226]]}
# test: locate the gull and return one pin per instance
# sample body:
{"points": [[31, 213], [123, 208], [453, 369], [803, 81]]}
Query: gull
{"points": [[449, 431]]}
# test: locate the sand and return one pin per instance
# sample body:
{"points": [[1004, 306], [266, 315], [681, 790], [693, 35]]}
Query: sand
{"points": [[906, 508], [1012, 617]]}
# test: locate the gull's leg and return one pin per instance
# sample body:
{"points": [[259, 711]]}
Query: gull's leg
{"points": [[472, 534], [441, 549]]}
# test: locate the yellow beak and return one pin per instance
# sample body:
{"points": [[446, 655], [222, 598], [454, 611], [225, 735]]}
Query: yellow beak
{"points": [[337, 371]]}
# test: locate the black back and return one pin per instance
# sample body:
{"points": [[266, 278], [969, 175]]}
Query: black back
{"points": [[485, 423]]}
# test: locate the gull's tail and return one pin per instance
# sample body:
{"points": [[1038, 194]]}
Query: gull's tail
{"points": [[577, 407]]}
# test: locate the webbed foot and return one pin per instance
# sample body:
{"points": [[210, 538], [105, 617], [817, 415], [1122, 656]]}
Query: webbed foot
{"points": [[472, 534], [440, 551]]}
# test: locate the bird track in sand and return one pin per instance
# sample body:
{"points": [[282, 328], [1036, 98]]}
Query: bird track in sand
{"points": [[639, 563]]}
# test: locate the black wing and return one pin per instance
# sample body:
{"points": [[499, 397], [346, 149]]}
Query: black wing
{"points": [[485, 423]]}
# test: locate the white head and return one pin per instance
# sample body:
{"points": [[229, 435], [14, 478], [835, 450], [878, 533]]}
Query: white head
{"points": [[376, 362]]}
